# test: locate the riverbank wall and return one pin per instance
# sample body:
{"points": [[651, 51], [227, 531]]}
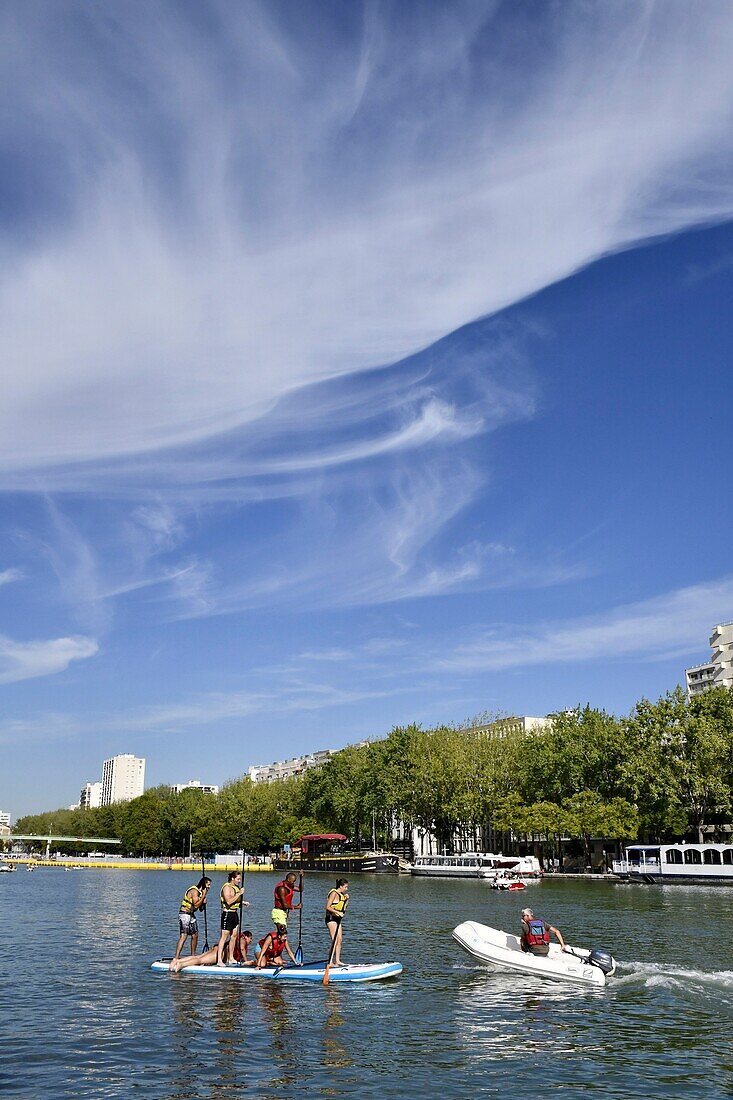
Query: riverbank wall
{"points": [[70, 863]]}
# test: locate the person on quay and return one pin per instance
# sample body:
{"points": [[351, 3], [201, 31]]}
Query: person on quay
{"points": [[272, 947], [336, 904], [284, 892], [208, 958], [193, 900], [230, 896], [535, 937]]}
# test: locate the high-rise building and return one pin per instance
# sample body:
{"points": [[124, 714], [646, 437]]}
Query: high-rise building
{"points": [[4, 818], [123, 778], [195, 785], [718, 671], [90, 796]]}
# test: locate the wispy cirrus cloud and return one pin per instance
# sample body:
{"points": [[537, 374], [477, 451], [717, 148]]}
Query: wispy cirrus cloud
{"points": [[29, 660], [9, 576], [652, 629], [163, 305]]}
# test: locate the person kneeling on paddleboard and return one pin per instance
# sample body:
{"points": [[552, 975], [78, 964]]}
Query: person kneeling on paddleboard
{"points": [[272, 947], [535, 936]]}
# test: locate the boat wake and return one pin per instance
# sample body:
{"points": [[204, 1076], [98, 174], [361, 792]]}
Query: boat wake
{"points": [[677, 979]]}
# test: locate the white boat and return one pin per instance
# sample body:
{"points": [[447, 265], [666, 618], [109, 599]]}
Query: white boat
{"points": [[467, 865], [677, 863], [6, 868], [524, 869], [577, 965], [313, 972]]}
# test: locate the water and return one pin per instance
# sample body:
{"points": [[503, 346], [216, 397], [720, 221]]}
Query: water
{"points": [[82, 1016]]}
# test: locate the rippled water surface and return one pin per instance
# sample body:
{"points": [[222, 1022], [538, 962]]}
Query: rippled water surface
{"points": [[82, 1016]]}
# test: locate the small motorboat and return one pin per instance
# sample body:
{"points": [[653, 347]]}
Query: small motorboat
{"points": [[506, 882], [6, 868], [577, 965]]}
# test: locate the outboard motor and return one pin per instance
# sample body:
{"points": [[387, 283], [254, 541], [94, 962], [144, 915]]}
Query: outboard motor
{"points": [[603, 959]]}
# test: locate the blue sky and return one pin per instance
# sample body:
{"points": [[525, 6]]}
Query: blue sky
{"points": [[360, 365]]}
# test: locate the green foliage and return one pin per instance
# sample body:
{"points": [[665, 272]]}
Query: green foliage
{"points": [[663, 771]]}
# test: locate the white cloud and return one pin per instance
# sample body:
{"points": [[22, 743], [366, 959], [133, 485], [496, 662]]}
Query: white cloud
{"points": [[8, 576], [295, 207], [29, 660], [652, 629]]}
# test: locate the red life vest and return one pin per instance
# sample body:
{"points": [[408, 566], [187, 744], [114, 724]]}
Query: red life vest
{"points": [[537, 934], [277, 943], [289, 891]]}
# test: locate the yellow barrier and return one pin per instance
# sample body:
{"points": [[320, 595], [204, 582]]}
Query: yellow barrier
{"points": [[122, 865]]}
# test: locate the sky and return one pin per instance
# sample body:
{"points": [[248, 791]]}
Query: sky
{"points": [[361, 364]]}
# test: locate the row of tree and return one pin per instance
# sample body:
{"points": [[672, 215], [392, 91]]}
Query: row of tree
{"points": [[663, 771]]}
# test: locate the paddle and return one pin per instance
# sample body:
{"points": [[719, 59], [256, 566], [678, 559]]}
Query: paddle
{"points": [[330, 956], [206, 923], [299, 952], [241, 896]]}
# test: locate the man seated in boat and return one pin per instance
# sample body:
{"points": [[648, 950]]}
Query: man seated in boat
{"points": [[272, 947], [208, 958], [535, 936]]}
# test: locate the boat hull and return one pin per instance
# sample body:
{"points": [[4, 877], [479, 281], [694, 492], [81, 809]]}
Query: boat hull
{"points": [[503, 950], [380, 863], [369, 972]]}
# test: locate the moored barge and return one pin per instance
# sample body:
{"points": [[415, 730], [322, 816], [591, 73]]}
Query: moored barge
{"points": [[327, 852]]}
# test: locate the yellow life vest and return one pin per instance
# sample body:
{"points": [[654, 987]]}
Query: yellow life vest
{"points": [[227, 906], [187, 905], [340, 904]]}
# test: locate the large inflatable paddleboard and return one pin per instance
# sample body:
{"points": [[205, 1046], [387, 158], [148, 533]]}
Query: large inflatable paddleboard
{"points": [[309, 972]]}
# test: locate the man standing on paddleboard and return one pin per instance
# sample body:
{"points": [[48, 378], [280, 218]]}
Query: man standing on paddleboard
{"points": [[230, 897], [284, 899], [194, 899]]}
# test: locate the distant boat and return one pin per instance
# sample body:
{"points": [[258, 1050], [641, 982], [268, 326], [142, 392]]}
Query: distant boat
{"points": [[467, 865], [695, 864], [6, 868]]}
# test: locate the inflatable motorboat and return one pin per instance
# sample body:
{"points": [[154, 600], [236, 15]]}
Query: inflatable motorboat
{"points": [[577, 965]]}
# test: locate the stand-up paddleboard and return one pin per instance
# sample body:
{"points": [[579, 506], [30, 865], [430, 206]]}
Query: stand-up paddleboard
{"points": [[313, 972]]}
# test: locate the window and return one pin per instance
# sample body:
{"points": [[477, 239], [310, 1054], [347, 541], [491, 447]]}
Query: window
{"points": [[674, 855], [692, 856], [711, 855], [728, 857]]}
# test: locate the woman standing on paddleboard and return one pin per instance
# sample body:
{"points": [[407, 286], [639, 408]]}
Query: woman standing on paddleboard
{"points": [[336, 903]]}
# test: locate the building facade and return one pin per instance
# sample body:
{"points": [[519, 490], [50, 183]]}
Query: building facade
{"points": [[718, 671], [287, 769], [195, 785], [4, 818], [90, 796], [123, 778]]}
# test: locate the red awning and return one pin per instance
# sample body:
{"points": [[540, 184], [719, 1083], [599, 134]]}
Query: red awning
{"points": [[323, 836]]}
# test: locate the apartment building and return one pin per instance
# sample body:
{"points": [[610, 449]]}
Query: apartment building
{"points": [[90, 796], [195, 785], [718, 671], [123, 778]]}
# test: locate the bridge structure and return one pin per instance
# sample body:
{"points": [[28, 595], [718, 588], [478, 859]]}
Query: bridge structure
{"points": [[49, 838]]}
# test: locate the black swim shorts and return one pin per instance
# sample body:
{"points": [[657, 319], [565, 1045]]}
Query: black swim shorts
{"points": [[229, 921]]}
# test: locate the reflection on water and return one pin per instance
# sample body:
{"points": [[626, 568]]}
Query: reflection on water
{"points": [[89, 1021]]}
